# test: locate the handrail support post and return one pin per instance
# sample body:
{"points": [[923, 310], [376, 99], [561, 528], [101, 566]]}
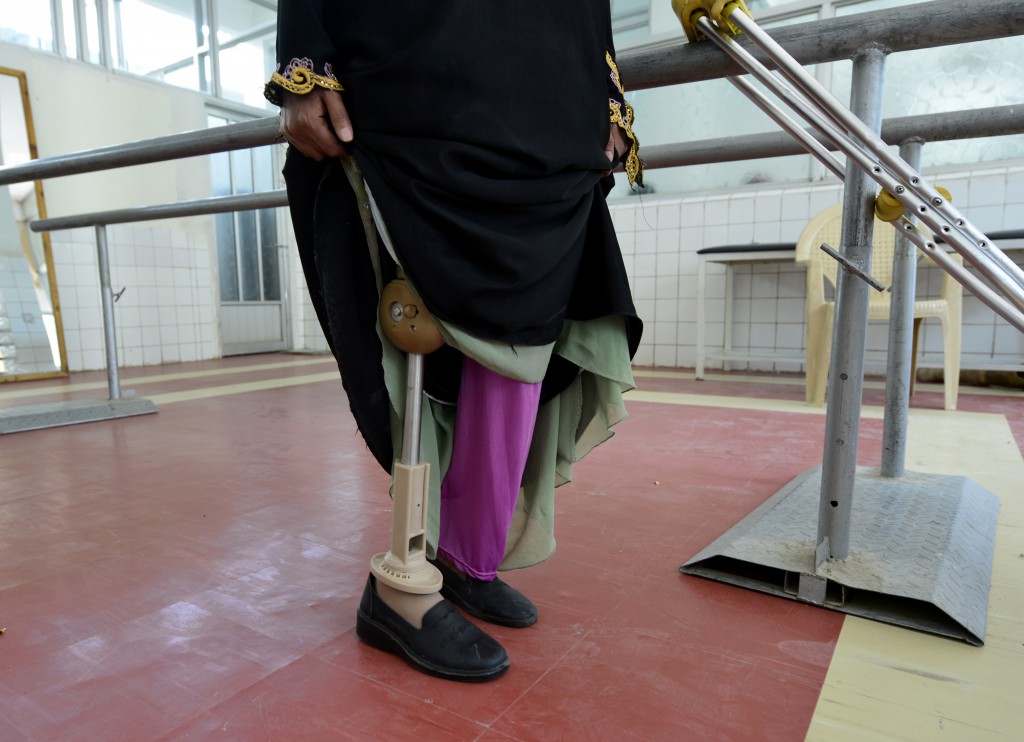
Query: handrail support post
{"points": [[107, 298], [899, 362], [846, 372]]}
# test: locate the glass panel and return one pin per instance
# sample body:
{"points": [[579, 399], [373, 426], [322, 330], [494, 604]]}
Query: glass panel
{"points": [[263, 164], [952, 78], [755, 5], [248, 242], [227, 259], [158, 39], [31, 342], [31, 25], [246, 34], [92, 53], [791, 20], [245, 69], [237, 18], [70, 34], [866, 6], [706, 110], [630, 20]]}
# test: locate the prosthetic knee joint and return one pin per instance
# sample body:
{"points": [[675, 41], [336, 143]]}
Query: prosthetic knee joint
{"points": [[411, 329]]}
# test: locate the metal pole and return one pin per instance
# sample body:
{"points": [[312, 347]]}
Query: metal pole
{"points": [[109, 336], [899, 360], [413, 409], [846, 373]]}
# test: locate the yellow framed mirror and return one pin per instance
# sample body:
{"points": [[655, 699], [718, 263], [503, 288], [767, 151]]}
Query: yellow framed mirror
{"points": [[31, 331]]}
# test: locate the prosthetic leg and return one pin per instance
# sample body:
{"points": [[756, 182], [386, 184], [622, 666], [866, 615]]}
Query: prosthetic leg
{"points": [[444, 643], [412, 330]]}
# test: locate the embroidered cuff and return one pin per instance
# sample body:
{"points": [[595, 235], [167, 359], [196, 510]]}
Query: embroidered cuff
{"points": [[621, 113], [299, 77]]}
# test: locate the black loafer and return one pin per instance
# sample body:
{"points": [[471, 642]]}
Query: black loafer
{"points": [[490, 600], [448, 645]]}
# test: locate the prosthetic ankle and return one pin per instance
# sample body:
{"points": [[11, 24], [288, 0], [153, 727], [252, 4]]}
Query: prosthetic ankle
{"points": [[411, 329]]}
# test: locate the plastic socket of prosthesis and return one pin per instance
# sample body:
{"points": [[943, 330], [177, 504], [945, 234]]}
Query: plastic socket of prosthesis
{"points": [[691, 11], [405, 321], [405, 567]]}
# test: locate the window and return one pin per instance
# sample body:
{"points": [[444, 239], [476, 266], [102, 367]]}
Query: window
{"points": [[31, 26], [630, 19], [246, 35], [936, 80], [247, 241]]}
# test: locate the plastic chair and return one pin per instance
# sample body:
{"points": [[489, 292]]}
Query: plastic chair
{"points": [[826, 227]]}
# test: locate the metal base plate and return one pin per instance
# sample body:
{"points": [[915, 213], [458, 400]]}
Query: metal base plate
{"points": [[56, 414], [921, 551]]}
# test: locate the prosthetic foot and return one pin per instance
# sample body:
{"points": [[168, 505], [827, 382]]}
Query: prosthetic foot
{"points": [[402, 610]]}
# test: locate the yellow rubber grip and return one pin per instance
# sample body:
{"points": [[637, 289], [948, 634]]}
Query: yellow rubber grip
{"points": [[887, 208], [689, 13], [722, 10]]}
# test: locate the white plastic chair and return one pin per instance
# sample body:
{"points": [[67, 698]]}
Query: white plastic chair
{"points": [[826, 227]]}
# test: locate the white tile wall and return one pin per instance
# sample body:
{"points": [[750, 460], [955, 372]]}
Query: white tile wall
{"points": [[169, 309], [660, 239], [167, 312]]}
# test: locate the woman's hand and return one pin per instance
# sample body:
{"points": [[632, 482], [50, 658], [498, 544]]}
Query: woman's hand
{"points": [[316, 123], [615, 148]]}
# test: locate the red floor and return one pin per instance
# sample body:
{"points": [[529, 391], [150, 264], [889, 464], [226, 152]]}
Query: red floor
{"points": [[194, 575]]}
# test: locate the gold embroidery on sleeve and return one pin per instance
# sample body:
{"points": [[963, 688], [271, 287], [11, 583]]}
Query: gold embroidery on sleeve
{"points": [[298, 77], [633, 165], [614, 72]]}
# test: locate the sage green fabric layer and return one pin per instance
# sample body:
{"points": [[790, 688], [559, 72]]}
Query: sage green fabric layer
{"points": [[568, 427]]}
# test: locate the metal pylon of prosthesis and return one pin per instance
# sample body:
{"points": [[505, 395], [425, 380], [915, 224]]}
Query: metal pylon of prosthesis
{"points": [[924, 543]]}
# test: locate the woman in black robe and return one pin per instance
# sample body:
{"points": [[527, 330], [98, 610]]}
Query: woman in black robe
{"points": [[485, 132]]}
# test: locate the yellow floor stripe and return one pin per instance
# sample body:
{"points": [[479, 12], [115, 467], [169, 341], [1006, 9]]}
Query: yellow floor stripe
{"points": [[127, 380], [887, 683], [189, 395], [741, 377], [737, 403]]}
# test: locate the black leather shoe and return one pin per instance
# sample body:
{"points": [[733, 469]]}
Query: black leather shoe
{"points": [[448, 645], [490, 600]]}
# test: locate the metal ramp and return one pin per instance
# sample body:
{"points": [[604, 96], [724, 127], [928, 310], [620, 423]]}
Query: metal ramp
{"points": [[54, 414], [921, 554]]}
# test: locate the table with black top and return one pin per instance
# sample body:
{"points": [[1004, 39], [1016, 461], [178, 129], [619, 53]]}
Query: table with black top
{"points": [[730, 256]]}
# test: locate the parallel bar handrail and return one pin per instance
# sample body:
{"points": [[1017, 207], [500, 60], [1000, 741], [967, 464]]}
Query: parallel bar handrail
{"points": [[197, 207], [937, 127], [245, 135], [932, 127], [949, 22], [938, 23]]}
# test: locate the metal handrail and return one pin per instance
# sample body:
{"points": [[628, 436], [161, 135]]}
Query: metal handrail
{"points": [[938, 23], [984, 122], [949, 22], [197, 207], [245, 135], [932, 127]]}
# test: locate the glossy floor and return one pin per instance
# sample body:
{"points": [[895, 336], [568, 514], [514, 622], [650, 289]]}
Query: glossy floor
{"points": [[194, 575]]}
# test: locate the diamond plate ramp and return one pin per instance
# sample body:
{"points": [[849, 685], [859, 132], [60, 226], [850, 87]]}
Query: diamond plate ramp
{"points": [[921, 550], [55, 414]]}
